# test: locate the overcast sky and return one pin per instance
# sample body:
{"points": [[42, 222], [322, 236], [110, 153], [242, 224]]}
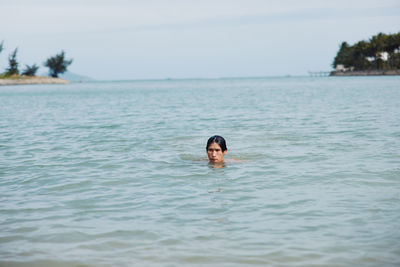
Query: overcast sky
{"points": [[152, 39]]}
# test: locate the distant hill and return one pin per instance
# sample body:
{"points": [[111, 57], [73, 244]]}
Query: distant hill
{"points": [[73, 77]]}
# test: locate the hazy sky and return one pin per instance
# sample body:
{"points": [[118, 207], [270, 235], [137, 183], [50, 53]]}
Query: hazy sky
{"points": [[119, 39]]}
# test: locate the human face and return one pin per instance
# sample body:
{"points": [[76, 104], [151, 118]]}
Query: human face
{"points": [[215, 153]]}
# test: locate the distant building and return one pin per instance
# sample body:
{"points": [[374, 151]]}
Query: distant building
{"points": [[382, 55], [340, 67]]}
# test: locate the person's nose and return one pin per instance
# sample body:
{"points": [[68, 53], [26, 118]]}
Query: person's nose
{"points": [[214, 153]]}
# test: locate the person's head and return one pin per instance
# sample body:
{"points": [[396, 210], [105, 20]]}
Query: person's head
{"points": [[216, 149]]}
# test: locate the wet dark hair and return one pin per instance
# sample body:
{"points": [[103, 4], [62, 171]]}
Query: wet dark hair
{"points": [[219, 140]]}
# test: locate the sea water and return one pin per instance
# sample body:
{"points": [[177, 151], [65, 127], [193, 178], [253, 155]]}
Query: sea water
{"points": [[115, 173]]}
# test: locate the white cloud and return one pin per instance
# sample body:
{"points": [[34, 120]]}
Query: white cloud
{"points": [[85, 16]]}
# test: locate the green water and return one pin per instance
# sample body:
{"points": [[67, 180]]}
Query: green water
{"points": [[115, 173]]}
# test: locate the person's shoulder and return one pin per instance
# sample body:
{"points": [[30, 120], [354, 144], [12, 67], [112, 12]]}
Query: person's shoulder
{"points": [[235, 160]]}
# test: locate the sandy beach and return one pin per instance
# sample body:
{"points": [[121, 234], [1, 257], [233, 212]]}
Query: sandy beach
{"points": [[32, 80]]}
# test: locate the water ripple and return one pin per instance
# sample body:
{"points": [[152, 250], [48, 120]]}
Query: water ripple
{"points": [[115, 174]]}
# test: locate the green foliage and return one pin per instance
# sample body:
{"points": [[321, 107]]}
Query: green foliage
{"points": [[358, 56], [343, 55], [12, 64], [366, 55], [395, 61], [57, 64], [30, 70]]}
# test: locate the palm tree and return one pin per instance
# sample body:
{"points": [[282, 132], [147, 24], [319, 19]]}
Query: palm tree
{"points": [[57, 64], [30, 70], [376, 45], [359, 56], [392, 44], [12, 64], [343, 55]]}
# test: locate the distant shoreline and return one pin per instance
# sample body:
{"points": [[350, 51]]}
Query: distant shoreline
{"points": [[32, 80], [365, 73]]}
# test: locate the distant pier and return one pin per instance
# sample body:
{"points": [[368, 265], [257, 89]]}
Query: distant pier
{"points": [[319, 73]]}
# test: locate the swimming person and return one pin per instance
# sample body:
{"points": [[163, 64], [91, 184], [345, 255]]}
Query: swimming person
{"points": [[216, 149]]}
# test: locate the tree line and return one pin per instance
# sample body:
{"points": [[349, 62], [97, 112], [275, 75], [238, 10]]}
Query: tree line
{"points": [[57, 64], [380, 52]]}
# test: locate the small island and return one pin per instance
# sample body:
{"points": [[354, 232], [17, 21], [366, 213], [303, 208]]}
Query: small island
{"points": [[12, 76], [380, 55], [19, 80]]}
